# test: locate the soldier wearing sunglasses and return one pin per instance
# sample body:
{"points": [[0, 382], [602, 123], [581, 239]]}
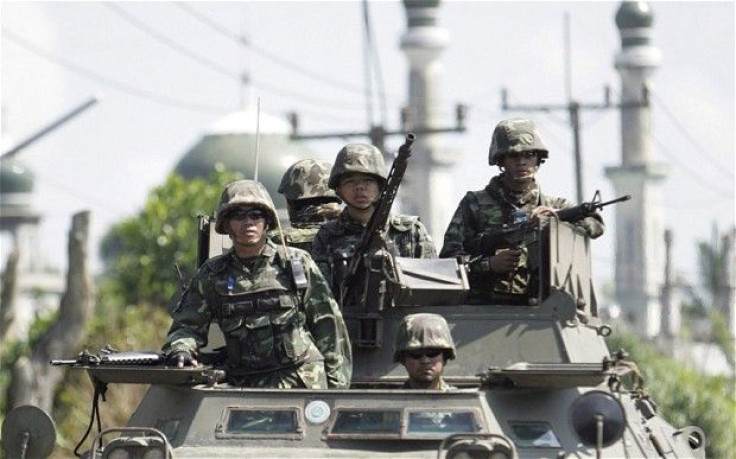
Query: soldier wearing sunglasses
{"points": [[424, 345], [282, 327]]}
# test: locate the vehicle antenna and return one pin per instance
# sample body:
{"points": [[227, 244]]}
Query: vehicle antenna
{"points": [[255, 174], [258, 137]]}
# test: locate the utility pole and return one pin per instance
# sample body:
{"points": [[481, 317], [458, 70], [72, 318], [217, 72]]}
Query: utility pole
{"points": [[573, 108], [378, 133]]}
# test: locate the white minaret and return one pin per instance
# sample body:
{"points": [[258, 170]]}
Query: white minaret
{"points": [[424, 188], [640, 251]]}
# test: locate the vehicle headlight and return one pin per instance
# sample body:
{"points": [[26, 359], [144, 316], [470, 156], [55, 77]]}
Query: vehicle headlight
{"points": [[597, 418], [478, 446], [134, 448]]}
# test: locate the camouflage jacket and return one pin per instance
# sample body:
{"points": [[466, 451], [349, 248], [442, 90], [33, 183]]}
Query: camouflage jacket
{"points": [[268, 324], [305, 224], [337, 239], [489, 209]]}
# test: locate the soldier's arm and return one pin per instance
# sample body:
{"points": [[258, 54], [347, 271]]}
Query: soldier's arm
{"points": [[325, 323], [459, 230], [593, 226], [320, 253], [423, 243], [192, 317]]}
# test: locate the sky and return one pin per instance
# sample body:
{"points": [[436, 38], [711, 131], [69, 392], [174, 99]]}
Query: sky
{"points": [[166, 71]]}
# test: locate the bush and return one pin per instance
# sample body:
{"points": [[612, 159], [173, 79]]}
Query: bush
{"points": [[685, 397]]}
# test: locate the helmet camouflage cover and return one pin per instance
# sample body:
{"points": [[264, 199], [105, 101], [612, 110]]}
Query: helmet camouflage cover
{"points": [[307, 179], [422, 331], [515, 135], [244, 193], [358, 157]]}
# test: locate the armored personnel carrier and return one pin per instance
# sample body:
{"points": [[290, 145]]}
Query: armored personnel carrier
{"points": [[533, 379]]}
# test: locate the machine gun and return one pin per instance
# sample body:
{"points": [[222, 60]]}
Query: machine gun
{"points": [[110, 356], [364, 283]]}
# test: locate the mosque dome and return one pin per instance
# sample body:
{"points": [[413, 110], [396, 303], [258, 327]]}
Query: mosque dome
{"points": [[15, 177], [231, 142], [634, 15]]}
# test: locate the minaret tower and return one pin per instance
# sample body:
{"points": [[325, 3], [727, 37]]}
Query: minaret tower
{"points": [[640, 251], [424, 189]]}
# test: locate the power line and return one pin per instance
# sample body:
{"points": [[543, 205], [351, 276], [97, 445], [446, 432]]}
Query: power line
{"points": [[683, 130], [169, 42], [267, 55], [107, 81], [708, 185], [341, 105]]}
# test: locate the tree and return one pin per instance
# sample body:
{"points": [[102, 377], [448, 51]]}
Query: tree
{"points": [[140, 252], [33, 380]]}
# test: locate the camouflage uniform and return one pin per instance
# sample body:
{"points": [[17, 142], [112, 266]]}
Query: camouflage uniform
{"points": [[336, 240], [277, 335], [424, 331], [487, 210], [311, 203]]}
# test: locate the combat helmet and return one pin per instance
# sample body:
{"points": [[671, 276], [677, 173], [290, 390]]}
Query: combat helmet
{"points": [[421, 331], [516, 135], [358, 157], [307, 179], [240, 193]]}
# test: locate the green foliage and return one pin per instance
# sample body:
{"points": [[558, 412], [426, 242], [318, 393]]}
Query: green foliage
{"points": [[722, 336], [685, 397], [139, 253], [15, 349]]}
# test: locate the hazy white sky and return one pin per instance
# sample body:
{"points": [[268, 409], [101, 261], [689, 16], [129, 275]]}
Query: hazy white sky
{"points": [[158, 101]]}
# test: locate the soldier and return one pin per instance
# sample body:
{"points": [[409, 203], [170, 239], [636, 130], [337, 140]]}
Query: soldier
{"points": [[510, 197], [310, 202], [423, 345], [281, 324], [358, 177]]}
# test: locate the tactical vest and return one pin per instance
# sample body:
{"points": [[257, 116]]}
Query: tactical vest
{"points": [[264, 329]]}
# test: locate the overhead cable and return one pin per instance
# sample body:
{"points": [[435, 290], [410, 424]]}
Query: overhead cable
{"points": [[690, 172], [726, 171], [235, 76], [265, 54], [107, 81]]}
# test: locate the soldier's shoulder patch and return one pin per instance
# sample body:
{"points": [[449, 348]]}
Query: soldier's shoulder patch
{"points": [[403, 223]]}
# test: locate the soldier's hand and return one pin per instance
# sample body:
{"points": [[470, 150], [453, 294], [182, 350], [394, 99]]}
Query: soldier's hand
{"points": [[535, 214], [182, 359], [505, 261]]}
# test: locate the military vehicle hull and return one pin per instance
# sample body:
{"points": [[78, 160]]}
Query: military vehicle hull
{"points": [[532, 379]]}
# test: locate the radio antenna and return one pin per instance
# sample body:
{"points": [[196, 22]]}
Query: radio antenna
{"points": [[255, 174], [258, 138]]}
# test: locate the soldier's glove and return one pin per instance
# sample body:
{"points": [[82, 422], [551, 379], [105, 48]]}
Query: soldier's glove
{"points": [[181, 359]]}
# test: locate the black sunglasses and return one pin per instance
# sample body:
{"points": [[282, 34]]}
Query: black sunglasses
{"points": [[431, 353], [242, 214]]}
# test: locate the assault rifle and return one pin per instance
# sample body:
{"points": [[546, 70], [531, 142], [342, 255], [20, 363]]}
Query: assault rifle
{"points": [[364, 283], [524, 232], [586, 209]]}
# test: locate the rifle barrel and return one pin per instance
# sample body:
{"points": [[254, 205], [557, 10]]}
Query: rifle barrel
{"points": [[614, 201]]}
